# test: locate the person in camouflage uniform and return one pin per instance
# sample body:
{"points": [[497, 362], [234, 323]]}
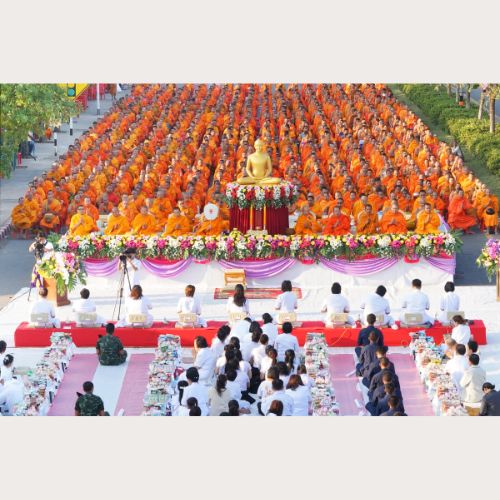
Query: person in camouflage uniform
{"points": [[88, 404], [110, 349]]}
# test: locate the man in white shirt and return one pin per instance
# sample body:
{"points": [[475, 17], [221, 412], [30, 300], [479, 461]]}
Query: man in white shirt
{"points": [[133, 265], [336, 303], [43, 306], [286, 341], [87, 305], [240, 329], [472, 385], [417, 302], [457, 365], [287, 301], [376, 304], [280, 395]]}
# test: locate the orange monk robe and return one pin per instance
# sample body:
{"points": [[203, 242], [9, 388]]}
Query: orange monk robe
{"points": [[458, 218], [55, 207], [144, 224], [337, 225], [117, 224], [307, 224], [376, 202], [177, 225], [428, 223], [366, 223], [160, 209], [22, 217], [489, 220], [320, 206], [393, 223], [357, 207], [212, 227], [92, 211], [81, 225], [50, 222]]}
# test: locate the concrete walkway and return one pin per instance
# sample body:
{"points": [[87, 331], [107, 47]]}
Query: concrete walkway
{"points": [[13, 188]]}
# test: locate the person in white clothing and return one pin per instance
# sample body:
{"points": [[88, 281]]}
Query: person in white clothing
{"points": [[269, 360], [286, 341], [259, 352], [87, 305], [266, 386], [458, 364], [238, 302], [461, 330], [472, 385], [219, 396], [191, 304], [417, 302], [252, 343], [131, 265], [450, 301], [306, 380], [300, 395], [205, 360], [287, 301], [11, 394], [219, 341], [195, 390], [240, 329], [269, 328], [276, 409], [376, 304], [280, 395], [43, 306], [7, 369], [136, 303], [336, 303]]}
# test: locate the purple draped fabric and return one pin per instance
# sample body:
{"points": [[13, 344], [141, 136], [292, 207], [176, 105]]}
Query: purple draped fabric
{"points": [[259, 268], [360, 267], [446, 265], [101, 267], [166, 269]]}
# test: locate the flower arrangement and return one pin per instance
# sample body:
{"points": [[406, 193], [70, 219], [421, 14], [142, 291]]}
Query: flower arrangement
{"points": [[66, 268], [281, 195], [489, 258], [237, 246]]}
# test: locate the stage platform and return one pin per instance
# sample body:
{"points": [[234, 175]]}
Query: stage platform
{"points": [[25, 336]]}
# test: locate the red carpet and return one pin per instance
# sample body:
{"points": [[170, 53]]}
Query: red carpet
{"points": [[134, 385], [80, 369], [415, 399], [255, 293], [148, 337], [345, 387]]}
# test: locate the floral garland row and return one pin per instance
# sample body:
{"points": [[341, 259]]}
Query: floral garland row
{"points": [[489, 258], [281, 195], [237, 246]]}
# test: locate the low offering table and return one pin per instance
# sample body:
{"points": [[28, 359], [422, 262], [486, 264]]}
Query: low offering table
{"points": [[260, 207]]}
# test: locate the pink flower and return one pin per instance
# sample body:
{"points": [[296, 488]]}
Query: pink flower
{"points": [[161, 243]]}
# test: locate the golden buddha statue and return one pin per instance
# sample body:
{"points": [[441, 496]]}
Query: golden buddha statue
{"points": [[259, 168]]}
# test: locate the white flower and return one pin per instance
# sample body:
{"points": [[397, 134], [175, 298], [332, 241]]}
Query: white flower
{"points": [[335, 243], [425, 242], [173, 242], [221, 245], [384, 242], [449, 239], [199, 245], [295, 245]]}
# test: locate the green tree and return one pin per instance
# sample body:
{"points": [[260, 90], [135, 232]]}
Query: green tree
{"points": [[28, 108]]}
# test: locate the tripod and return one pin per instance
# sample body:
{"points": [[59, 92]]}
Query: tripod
{"points": [[35, 278], [121, 283]]}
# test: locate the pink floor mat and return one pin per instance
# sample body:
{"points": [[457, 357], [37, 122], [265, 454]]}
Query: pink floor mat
{"points": [[345, 387]]}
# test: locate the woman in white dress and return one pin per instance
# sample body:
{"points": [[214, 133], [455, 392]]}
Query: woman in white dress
{"points": [[219, 397], [269, 328], [191, 304], [286, 301], [300, 395], [137, 303], [219, 341], [270, 360], [450, 301], [238, 302], [7, 368], [461, 331], [195, 390], [205, 360]]}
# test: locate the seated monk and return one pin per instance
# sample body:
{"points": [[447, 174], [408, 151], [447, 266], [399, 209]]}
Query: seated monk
{"points": [[22, 216], [487, 211], [144, 223], [50, 223], [306, 222], [81, 224], [177, 224], [211, 227], [338, 223], [459, 216], [259, 167], [428, 221], [367, 221], [393, 221], [117, 223]]}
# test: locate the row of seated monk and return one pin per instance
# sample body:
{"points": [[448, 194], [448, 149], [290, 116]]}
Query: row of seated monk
{"points": [[415, 308]]}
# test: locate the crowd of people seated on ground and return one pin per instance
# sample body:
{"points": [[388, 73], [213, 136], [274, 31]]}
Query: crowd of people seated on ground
{"points": [[336, 306], [362, 162]]}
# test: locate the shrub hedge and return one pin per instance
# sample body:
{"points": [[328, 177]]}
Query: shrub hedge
{"points": [[469, 132]]}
